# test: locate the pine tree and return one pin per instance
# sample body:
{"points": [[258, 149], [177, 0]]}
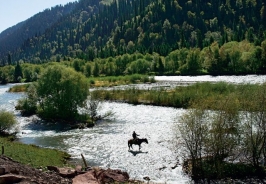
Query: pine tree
{"points": [[18, 75]]}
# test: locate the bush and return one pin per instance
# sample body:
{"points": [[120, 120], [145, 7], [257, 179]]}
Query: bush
{"points": [[7, 121], [60, 92], [27, 109], [28, 105]]}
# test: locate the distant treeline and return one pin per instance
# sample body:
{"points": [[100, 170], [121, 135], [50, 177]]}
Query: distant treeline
{"points": [[232, 58]]}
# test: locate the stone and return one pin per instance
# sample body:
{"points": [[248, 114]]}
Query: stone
{"points": [[87, 178], [78, 168], [109, 175], [67, 172]]}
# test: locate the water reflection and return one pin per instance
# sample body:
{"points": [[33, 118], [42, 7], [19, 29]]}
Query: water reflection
{"points": [[137, 152]]}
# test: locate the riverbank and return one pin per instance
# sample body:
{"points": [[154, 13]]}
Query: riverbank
{"points": [[179, 96], [14, 172], [33, 155]]}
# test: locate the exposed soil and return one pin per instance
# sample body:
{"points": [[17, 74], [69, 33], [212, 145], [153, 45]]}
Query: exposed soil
{"points": [[14, 172]]}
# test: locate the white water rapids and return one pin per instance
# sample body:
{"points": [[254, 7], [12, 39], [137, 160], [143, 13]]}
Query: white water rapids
{"points": [[105, 145]]}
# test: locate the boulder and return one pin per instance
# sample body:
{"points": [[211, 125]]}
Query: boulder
{"points": [[78, 168], [109, 175], [87, 178], [67, 172]]}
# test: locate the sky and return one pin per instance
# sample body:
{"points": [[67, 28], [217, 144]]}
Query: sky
{"points": [[15, 11]]}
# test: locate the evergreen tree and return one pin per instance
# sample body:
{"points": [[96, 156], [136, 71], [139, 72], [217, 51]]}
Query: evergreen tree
{"points": [[9, 60], [18, 73]]}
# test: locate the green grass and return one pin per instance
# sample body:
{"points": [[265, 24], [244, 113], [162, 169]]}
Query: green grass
{"points": [[109, 81], [19, 88], [33, 155], [181, 97]]}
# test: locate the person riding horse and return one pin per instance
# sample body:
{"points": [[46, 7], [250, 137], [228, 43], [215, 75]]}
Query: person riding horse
{"points": [[134, 135]]}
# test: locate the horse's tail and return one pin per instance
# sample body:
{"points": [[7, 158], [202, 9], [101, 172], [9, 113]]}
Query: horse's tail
{"points": [[128, 143]]}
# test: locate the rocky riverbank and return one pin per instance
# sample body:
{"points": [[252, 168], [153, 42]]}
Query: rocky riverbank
{"points": [[14, 172]]}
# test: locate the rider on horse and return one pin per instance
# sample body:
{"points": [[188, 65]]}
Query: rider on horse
{"points": [[134, 135]]}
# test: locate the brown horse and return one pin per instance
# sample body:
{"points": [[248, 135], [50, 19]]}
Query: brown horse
{"points": [[137, 142]]}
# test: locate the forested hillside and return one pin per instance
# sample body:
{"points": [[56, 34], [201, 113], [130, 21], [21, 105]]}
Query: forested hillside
{"points": [[13, 37], [99, 30]]}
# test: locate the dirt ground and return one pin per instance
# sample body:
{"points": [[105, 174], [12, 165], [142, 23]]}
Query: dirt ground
{"points": [[14, 172]]}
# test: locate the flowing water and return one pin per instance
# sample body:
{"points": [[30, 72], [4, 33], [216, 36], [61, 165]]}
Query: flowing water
{"points": [[105, 145]]}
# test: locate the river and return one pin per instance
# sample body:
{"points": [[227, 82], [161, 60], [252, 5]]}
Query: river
{"points": [[105, 145]]}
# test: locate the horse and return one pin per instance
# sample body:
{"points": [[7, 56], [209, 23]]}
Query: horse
{"points": [[137, 142]]}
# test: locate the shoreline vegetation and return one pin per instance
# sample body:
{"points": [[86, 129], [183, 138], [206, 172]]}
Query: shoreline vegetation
{"points": [[96, 82], [178, 97]]}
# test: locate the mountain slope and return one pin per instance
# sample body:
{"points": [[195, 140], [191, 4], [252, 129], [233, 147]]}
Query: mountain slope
{"points": [[96, 29], [14, 37]]}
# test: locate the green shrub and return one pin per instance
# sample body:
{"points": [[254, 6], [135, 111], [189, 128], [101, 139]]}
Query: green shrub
{"points": [[92, 82], [7, 121], [26, 107]]}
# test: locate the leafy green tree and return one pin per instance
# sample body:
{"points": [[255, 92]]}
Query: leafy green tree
{"points": [[87, 69], [139, 66], [171, 62], [27, 73], [60, 92], [77, 65], [192, 65], [7, 74], [7, 121]]}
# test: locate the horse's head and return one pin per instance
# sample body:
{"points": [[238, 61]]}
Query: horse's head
{"points": [[146, 140]]}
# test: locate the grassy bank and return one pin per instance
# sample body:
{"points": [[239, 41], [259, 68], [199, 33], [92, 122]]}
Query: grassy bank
{"points": [[180, 97], [110, 81], [19, 88], [101, 81], [32, 155]]}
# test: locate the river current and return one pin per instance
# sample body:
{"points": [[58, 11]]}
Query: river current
{"points": [[105, 144]]}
